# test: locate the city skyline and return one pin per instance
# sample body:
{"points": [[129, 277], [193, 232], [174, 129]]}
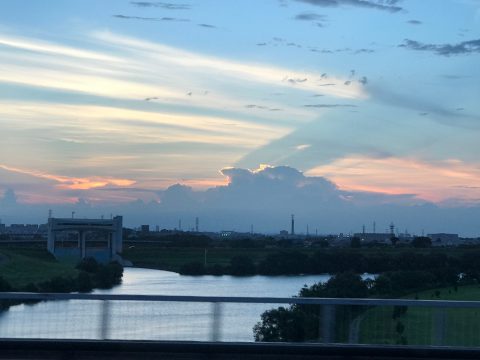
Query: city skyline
{"points": [[359, 109]]}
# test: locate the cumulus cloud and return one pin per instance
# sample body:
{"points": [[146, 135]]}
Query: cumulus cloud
{"points": [[385, 5], [265, 197], [462, 48]]}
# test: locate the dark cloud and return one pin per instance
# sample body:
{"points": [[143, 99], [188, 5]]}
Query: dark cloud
{"points": [[163, 5], [262, 44], [209, 26], [173, 19], [127, 17], [151, 98], [385, 5], [253, 106], [261, 107], [136, 18], [309, 16], [296, 80], [414, 22], [364, 51], [462, 48], [330, 106], [347, 83], [423, 114], [294, 44], [346, 50], [363, 80], [329, 84]]}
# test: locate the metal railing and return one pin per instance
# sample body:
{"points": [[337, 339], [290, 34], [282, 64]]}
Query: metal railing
{"points": [[214, 319]]}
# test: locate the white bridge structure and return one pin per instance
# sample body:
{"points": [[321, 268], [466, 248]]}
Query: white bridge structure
{"points": [[81, 238]]}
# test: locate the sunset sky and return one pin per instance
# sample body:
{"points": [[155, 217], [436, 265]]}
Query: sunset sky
{"points": [[114, 101]]}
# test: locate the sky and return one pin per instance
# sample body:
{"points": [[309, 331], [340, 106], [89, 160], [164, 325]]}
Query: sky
{"points": [[343, 112]]}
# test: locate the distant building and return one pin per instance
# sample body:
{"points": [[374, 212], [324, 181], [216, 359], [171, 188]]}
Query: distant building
{"points": [[442, 239], [3, 228], [284, 233], [145, 229], [373, 237], [226, 234]]}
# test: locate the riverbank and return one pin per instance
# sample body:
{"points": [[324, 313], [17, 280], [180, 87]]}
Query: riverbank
{"points": [[23, 266], [36, 270]]}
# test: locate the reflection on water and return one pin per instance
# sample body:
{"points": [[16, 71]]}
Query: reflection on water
{"points": [[78, 319]]}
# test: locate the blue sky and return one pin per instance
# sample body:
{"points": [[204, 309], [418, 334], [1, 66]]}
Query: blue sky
{"points": [[109, 102]]}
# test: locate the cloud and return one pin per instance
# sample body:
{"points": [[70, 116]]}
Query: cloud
{"points": [[9, 198], [126, 17], [345, 50], [328, 106], [72, 183], [261, 107], [135, 18], [163, 5], [441, 180], [389, 6], [208, 26], [309, 16], [266, 196], [296, 80], [363, 80], [414, 22], [462, 48]]}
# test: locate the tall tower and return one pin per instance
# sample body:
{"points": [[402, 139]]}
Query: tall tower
{"points": [[196, 224], [292, 232], [392, 229]]}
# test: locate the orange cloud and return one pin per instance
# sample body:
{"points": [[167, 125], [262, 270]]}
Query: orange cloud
{"points": [[437, 182], [72, 183]]}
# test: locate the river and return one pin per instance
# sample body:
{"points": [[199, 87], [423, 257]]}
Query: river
{"points": [[78, 319]]}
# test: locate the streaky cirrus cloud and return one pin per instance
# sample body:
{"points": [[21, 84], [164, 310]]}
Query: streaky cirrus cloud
{"points": [[462, 48], [162, 5], [442, 181], [388, 5], [165, 18], [66, 182]]}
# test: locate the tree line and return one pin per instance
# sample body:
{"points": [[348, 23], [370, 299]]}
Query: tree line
{"points": [[294, 262]]}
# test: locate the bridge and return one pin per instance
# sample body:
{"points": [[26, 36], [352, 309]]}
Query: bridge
{"points": [[192, 327]]}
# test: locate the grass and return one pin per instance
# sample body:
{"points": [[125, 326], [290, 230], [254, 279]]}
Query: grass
{"points": [[21, 266], [426, 326]]}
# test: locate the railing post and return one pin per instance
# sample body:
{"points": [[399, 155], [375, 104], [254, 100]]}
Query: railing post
{"points": [[216, 321], [328, 323], [439, 325], [104, 330]]}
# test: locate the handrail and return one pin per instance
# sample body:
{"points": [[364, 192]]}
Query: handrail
{"points": [[250, 300]]}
